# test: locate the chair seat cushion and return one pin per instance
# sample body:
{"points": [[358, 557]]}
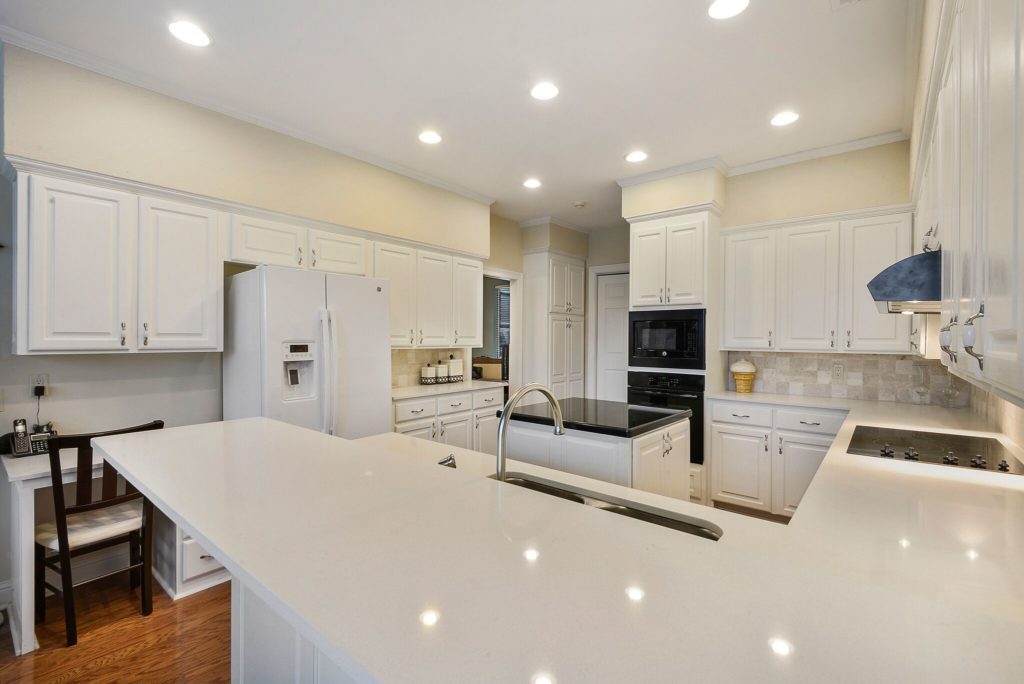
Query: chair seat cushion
{"points": [[93, 526]]}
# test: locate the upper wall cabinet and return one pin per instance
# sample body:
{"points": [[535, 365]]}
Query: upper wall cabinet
{"points": [[566, 284], [808, 287], [107, 271], [434, 299], [397, 265], [338, 253], [261, 241], [81, 267], [667, 258], [180, 276], [748, 299], [468, 302]]}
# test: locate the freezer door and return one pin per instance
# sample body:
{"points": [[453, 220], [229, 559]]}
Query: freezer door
{"points": [[360, 323], [294, 353]]}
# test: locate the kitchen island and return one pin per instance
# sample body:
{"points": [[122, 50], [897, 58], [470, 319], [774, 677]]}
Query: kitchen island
{"points": [[613, 441], [366, 561]]}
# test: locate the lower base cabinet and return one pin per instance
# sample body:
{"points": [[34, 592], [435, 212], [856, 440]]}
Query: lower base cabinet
{"points": [[181, 566], [588, 454], [796, 459], [431, 418], [661, 462], [456, 430], [742, 470]]}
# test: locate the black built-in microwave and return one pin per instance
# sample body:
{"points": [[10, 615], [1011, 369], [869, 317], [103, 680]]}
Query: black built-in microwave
{"points": [[667, 339]]}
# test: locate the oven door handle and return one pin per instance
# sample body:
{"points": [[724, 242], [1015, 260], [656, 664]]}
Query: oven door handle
{"points": [[651, 393]]}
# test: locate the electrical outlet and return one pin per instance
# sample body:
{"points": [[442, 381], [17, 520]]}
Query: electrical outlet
{"points": [[838, 372], [40, 379]]}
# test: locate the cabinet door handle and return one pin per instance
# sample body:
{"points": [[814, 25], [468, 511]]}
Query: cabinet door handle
{"points": [[477, 426], [970, 337], [312, 253], [804, 422], [442, 428], [123, 334], [412, 336], [300, 256], [780, 445], [421, 335], [433, 431], [832, 339], [668, 294], [766, 443], [145, 334], [848, 333], [769, 338], [661, 300]]}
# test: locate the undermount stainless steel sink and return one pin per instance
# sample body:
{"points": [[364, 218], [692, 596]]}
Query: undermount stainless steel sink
{"points": [[612, 504]]}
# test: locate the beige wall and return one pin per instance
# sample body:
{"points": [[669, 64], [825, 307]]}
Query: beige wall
{"points": [[553, 236], [506, 245], [684, 190], [59, 113], [873, 177], [609, 246]]}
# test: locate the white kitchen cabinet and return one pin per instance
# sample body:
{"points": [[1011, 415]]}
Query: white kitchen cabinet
{"points": [[602, 459], [423, 428], [741, 473], [338, 253], [576, 278], [397, 265], [530, 444], [181, 566], [648, 456], [553, 353], [81, 262], [667, 261], [262, 241], [566, 282], [697, 480], [867, 247], [456, 429], [485, 431], [468, 302], [749, 290], [661, 462], [795, 461], [647, 264], [434, 299], [558, 343], [808, 287], [181, 276]]}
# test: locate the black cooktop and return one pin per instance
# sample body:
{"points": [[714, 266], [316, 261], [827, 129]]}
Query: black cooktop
{"points": [[964, 451], [615, 418]]}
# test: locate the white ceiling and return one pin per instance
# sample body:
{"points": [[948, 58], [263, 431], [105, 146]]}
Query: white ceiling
{"points": [[366, 76]]}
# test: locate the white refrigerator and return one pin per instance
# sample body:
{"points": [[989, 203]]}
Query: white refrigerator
{"points": [[308, 348]]}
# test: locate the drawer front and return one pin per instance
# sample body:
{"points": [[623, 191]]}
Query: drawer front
{"points": [[808, 421], [491, 398], [741, 414], [414, 409], [195, 561], [453, 403]]}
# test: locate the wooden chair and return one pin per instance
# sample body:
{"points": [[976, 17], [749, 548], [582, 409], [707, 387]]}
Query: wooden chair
{"points": [[87, 525]]}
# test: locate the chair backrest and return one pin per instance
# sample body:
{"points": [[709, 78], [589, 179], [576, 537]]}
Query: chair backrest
{"points": [[109, 495]]}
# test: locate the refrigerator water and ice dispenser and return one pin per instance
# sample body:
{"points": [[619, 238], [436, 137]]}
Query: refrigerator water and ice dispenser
{"points": [[299, 370]]}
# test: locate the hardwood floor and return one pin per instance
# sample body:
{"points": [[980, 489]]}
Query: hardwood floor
{"points": [[182, 641]]}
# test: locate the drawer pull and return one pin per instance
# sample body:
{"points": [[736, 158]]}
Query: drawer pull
{"points": [[738, 415], [417, 410], [488, 399], [804, 422], [456, 405], [206, 556]]}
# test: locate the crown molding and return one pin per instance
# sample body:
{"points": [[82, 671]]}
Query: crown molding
{"points": [[819, 152], [849, 214], [539, 221], [83, 60], [710, 207], [689, 167]]}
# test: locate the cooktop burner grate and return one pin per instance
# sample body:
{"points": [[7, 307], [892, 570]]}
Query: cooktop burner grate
{"points": [[964, 451]]}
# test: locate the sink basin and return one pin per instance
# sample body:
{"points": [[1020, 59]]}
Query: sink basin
{"points": [[612, 504]]}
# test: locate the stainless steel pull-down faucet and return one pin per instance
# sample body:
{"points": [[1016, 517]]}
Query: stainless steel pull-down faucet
{"points": [[506, 416]]}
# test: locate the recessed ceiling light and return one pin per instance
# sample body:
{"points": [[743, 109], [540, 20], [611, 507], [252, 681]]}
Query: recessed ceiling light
{"points": [[972, 554], [543, 678], [531, 183], [784, 118], [635, 594], [726, 9], [904, 543], [187, 32], [430, 137], [429, 617], [531, 554], [781, 647], [545, 90], [636, 156]]}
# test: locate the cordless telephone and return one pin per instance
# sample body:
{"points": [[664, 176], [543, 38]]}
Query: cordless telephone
{"points": [[22, 443]]}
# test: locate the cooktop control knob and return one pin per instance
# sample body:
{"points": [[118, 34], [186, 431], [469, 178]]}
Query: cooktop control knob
{"points": [[910, 454], [949, 458], [886, 452], [978, 462], [1004, 466]]}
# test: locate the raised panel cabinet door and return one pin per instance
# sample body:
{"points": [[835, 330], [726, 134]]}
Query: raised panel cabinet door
{"points": [[558, 286], [530, 445], [397, 265], [181, 275], [947, 183], [808, 287], [558, 348], [649, 461], [485, 426], [575, 348], [261, 241], [647, 264], [456, 430], [749, 291], [741, 467], [81, 267], [796, 460], [591, 456], [421, 429], [684, 269], [575, 286], [468, 302], [1003, 331], [337, 253], [433, 299], [676, 479], [867, 247]]}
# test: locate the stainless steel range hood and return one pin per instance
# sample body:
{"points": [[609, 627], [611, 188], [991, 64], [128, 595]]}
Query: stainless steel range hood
{"points": [[912, 285]]}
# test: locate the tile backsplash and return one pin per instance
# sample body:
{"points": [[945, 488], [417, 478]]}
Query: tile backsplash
{"points": [[406, 363], [1002, 415], [881, 377]]}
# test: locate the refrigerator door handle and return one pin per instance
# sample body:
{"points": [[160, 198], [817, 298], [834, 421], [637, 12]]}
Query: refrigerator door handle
{"points": [[326, 355], [333, 377]]}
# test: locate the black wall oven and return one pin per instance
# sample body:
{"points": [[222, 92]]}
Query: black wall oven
{"points": [[673, 391], [667, 339]]}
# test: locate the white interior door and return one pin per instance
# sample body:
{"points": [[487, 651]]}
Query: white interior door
{"points": [[612, 336]]}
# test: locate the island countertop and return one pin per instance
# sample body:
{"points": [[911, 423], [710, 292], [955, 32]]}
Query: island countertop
{"points": [[353, 541], [615, 418]]}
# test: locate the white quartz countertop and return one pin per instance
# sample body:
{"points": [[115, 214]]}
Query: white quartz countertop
{"points": [[446, 388], [354, 540]]}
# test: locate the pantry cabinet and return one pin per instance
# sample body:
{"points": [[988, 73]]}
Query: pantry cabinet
{"points": [[81, 263], [667, 258], [181, 276], [748, 299], [554, 324], [566, 350], [262, 241]]}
